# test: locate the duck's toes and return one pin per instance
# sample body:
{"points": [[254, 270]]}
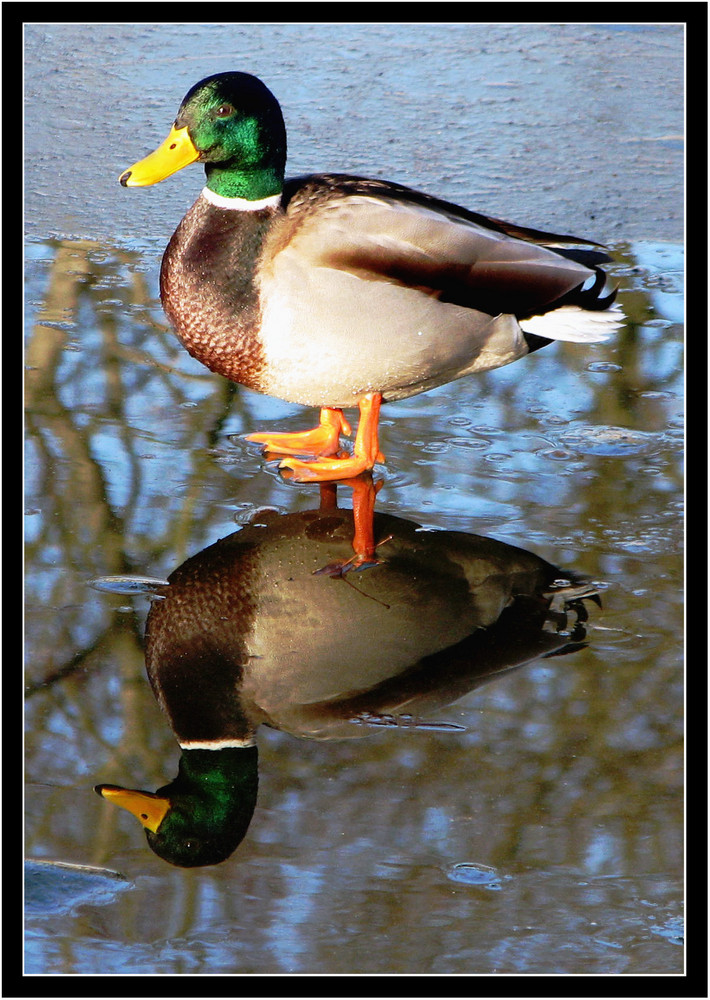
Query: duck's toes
{"points": [[318, 441], [343, 566], [323, 440], [326, 469]]}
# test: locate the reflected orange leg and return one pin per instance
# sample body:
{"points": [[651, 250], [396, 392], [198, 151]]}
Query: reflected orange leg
{"points": [[366, 451], [321, 440], [364, 494]]}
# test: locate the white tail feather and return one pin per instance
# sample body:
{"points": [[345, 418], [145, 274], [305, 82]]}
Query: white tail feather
{"points": [[572, 323]]}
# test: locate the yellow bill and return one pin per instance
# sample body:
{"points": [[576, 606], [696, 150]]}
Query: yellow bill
{"points": [[176, 152], [149, 808]]}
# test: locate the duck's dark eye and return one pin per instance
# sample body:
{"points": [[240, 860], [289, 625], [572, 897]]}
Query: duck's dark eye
{"points": [[224, 111]]}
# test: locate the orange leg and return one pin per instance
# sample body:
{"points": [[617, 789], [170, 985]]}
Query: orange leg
{"points": [[366, 450], [321, 440]]}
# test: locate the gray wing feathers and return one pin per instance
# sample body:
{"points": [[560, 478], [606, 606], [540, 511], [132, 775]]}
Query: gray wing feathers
{"points": [[454, 259]]}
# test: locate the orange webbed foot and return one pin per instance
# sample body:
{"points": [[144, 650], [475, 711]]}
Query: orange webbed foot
{"points": [[325, 470], [323, 440], [366, 451]]}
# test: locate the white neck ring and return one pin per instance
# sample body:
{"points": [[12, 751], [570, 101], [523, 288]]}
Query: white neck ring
{"points": [[240, 204], [217, 744]]}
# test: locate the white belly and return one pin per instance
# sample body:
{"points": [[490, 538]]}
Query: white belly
{"points": [[329, 337]]}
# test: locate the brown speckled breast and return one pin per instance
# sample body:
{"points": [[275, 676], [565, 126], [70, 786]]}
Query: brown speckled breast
{"points": [[208, 290], [196, 641]]}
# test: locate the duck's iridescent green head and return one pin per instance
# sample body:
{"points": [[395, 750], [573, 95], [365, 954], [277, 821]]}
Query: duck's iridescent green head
{"points": [[233, 124], [202, 816]]}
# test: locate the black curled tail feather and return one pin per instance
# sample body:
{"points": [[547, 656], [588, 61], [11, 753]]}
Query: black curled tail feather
{"points": [[590, 297]]}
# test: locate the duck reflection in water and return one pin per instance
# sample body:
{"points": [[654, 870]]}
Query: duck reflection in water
{"points": [[268, 627]]}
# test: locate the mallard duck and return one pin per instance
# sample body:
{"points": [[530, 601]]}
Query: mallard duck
{"points": [[245, 634], [336, 291]]}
